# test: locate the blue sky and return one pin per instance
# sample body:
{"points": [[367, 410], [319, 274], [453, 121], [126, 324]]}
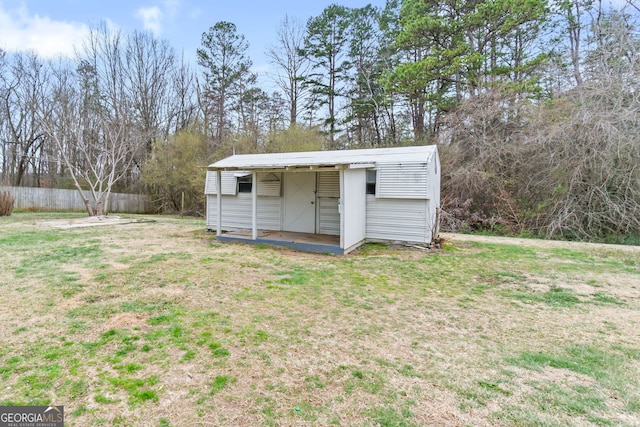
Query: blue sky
{"points": [[52, 27]]}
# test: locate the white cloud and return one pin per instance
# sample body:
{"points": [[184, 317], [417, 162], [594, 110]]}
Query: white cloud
{"points": [[151, 19], [172, 7], [155, 17], [20, 31]]}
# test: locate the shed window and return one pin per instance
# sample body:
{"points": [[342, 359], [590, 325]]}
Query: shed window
{"points": [[371, 182], [245, 183]]}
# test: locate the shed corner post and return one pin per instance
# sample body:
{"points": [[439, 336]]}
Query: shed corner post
{"points": [[218, 203], [341, 209], [254, 205]]}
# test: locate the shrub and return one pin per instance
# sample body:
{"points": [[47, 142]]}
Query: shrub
{"points": [[6, 203], [459, 216]]}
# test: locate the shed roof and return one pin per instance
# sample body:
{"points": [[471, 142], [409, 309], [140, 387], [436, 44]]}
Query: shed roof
{"points": [[362, 158]]}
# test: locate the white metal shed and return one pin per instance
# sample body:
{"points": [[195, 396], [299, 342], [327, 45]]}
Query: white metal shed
{"points": [[326, 201]]}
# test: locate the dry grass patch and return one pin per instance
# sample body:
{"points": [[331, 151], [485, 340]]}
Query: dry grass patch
{"points": [[155, 323]]}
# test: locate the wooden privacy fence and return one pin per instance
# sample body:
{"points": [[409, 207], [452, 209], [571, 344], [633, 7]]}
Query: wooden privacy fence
{"points": [[54, 199]]}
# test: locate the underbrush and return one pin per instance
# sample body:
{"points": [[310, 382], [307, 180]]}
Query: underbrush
{"points": [[6, 203]]}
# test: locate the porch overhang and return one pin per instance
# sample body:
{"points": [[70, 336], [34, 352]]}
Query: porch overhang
{"points": [[292, 168]]}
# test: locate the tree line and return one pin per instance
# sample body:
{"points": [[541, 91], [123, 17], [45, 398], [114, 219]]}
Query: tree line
{"points": [[533, 104]]}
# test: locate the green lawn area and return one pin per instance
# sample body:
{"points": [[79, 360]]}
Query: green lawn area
{"points": [[155, 323]]}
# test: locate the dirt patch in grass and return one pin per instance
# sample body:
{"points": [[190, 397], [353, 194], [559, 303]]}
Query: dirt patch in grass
{"points": [[69, 303], [90, 221], [127, 321]]}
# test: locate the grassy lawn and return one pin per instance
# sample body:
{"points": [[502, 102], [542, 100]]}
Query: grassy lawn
{"points": [[154, 323]]}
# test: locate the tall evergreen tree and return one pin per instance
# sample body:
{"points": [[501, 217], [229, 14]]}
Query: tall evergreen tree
{"points": [[227, 72], [454, 49], [326, 46], [365, 93]]}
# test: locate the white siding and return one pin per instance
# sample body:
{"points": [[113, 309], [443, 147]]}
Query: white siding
{"points": [[402, 181], [228, 182], [328, 197], [269, 209], [353, 200], [329, 184], [402, 220], [329, 220], [434, 195], [269, 184], [210, 183], [236, 212], [212, 212]]}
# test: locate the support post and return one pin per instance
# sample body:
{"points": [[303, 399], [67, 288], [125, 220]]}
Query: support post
{"points": [[219, 202], [254, 205], [341, 210]]}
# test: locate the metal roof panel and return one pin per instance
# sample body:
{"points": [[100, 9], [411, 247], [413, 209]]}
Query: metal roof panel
{"points": [[326, 158]]}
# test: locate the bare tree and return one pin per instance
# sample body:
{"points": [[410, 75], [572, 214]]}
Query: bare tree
{"points": [[574, 19], [5, 146], [182, 103], [92, 121], [597, 142], [150, 64], [24, 91], [293, 65]]}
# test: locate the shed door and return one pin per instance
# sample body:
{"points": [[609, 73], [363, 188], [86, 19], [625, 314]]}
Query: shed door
{"points": [[300, 202]]}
